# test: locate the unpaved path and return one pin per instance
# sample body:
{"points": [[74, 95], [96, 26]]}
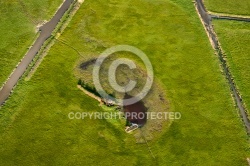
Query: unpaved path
{"points": [[225, 17], [206, 20], [46, 31]]}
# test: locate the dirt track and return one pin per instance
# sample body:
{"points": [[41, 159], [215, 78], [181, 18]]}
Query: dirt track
{"points": [[206, 20], [229, 18], [46, 31]]}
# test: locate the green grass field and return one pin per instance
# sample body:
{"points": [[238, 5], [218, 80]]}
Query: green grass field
{"points": [[18, 23], [234, 37], [40, 10], [34, 124], [229, 6]]}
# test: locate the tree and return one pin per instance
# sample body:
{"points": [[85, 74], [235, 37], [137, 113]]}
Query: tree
{"points": [[79, 82]]}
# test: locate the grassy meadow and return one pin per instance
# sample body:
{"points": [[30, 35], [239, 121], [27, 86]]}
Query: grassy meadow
{"points": [[234, 37], [34, 124], [19, 19], [38, 11], [229, 6]]}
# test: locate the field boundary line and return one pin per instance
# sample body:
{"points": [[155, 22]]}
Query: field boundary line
{"points": [[89, 94], [206, 20]]}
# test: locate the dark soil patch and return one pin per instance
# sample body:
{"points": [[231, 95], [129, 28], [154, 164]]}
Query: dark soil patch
{"points": [[86, 64], [135, 113]]}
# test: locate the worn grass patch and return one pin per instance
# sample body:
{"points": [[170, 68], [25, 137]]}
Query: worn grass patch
{"points": [[155, 101]]}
